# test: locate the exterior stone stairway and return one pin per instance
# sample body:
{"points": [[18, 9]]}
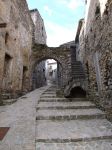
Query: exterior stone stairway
{"points": [[70, 124], [78, 77], [77, 70]]}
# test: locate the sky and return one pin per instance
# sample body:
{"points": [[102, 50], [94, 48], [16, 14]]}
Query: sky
{"points": [[60, 18]]}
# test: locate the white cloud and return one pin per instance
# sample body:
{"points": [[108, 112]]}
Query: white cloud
{"points": [[72, 4], [57, 34], [48, 10]]}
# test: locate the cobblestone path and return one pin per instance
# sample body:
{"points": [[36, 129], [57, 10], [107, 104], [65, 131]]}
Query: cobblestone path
{"points": [[70, 124]]}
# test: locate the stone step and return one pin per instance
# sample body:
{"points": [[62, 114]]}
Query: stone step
{"points": [[6, 96], [48, 96], [49, 93], [62, 99], [50, 90], [73, 131], [66, 140], [77, 69], [70, 114], [76, 63], [90, 145], [9, 101], [65, 105], [78, 74], [72, 117]]}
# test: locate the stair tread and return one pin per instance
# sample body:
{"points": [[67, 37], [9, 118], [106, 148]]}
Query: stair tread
{"points": [[56, 99], [54, 104], [91, 145], [71, 123], [78, 129], [69, 112]]}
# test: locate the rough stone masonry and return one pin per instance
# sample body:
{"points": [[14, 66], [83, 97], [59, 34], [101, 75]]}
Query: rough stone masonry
{"points": [[15, 47], [20, 31], [95, 52]]}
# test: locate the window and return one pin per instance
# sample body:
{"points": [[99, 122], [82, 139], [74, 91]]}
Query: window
{"points": [[7, 63], [6, 37], [97, 12]]}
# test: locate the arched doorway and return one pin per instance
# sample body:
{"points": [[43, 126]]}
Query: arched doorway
{"points": [[59, 54], [77, 92], [47, 71]]}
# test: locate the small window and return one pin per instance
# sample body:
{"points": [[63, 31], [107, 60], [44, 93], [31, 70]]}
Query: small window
{"points": [[97, 12], [106, 10], [7, 63], [6, 37]]}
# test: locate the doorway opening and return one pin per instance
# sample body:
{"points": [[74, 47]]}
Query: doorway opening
{"points": [[51, 71], [46, 72], [7, 72], [77, 92], [24, 80]]}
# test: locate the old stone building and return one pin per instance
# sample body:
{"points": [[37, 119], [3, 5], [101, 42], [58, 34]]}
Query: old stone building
{"points": [[39, 37], [95, 51], [39, 28], [15, 47], [60, 54], [23, 48]]}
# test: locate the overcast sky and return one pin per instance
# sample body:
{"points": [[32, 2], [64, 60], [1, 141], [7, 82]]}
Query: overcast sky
{"points": [[60, 17]]}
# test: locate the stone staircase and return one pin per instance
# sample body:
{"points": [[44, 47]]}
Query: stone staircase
{"points": [[70, 124], [78, 78], [77, 70]]}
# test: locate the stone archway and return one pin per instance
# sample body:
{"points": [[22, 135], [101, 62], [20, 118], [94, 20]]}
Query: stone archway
{"points": [[60, 54], [77, 92]]}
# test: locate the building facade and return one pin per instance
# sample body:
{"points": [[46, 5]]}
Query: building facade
{"points": [[15, 46], [95, 51], [39, 37], [39, 28]]}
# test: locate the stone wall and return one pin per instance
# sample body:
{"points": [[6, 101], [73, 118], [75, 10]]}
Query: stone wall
{"points": [[40, 37], [38, 76], [60, 54], [96, 51], [39, 32], [15, 46]]}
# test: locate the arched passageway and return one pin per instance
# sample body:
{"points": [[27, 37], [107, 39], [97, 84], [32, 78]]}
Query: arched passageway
{"points": [[77, 92], [60, 55], [47, 72]]}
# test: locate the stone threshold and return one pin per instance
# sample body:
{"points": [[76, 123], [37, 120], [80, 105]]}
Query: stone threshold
{"points": [[73, 140]]}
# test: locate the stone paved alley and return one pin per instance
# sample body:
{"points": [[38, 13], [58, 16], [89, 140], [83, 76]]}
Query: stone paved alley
{"points": [[20, 117], [72, 48], [42, 121]]}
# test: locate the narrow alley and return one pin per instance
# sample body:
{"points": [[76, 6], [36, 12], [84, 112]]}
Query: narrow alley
{"points": [[56, 75], [43, 121]]}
